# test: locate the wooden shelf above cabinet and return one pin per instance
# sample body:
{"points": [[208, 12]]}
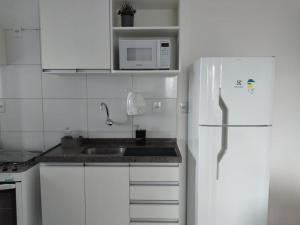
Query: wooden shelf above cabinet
{"points": [[171, 31]]}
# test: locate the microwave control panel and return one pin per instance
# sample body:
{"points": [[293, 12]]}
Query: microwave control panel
{"points": [[165, 54]]}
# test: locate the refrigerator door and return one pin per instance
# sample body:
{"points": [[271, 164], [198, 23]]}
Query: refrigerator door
{"points": [[235, 190], [209, 144], [247, 90], [243, 85]]}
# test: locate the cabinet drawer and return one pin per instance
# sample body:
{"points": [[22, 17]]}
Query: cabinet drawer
{"points": [[151, 173], [154, 211], [154, 192], [153, 223]]}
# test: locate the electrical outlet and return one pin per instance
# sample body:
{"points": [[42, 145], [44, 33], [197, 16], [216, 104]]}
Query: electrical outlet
{"points": [[156, 107], [2, 106], [183, 106]]}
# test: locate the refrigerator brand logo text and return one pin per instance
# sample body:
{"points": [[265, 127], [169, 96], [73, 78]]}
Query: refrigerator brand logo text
{"points": [[250, 85], [239, 84]]}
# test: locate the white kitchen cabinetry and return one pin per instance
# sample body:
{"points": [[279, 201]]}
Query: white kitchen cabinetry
{"points": [[107, 194], [110, 194], [62, 189], [154, 193], [153, 19], [75, 34]]}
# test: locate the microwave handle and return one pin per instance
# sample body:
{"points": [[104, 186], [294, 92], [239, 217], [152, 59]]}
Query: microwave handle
{"points": [[158, 53], [4, 187]]}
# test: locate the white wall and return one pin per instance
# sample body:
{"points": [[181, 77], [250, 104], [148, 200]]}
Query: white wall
{"points": [[256, 28], [39, 107]]}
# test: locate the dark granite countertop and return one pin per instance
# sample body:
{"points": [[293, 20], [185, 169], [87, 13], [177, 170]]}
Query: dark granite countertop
{"points": [[58, 154]]}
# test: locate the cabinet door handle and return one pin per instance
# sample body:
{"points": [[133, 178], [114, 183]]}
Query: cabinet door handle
{"points": [[154, 183], [158, 220], [93, 71], [59, 71], [154, 202]]}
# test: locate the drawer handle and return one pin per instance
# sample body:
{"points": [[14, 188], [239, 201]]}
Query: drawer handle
{"points": [[150, 165], [154, 183], [158, 220], [154, 202]]}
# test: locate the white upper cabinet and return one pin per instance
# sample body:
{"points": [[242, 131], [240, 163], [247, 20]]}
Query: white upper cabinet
{"points": [[75, 34], [2, 48]]}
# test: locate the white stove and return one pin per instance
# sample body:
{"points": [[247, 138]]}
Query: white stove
{"points": [[19, 188]]}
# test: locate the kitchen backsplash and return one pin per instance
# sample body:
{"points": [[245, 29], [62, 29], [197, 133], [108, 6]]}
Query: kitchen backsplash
{"points": [[38, 108]]}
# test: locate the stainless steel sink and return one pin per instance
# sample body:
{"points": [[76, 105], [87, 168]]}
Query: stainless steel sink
{"points": [[105, 151]]}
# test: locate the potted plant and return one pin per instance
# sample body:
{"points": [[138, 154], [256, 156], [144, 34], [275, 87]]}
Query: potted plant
{"points": [[127, 14]]}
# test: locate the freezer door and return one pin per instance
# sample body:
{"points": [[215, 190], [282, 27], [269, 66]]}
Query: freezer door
{"points": [[247, 90], [235, 189], [206, 90], [244, 86]]}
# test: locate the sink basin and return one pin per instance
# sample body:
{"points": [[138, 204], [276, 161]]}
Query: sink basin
{"points": [[119, 151], [150, 151]]}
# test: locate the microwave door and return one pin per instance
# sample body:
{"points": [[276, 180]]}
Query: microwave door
{"points": [[138, 54]]}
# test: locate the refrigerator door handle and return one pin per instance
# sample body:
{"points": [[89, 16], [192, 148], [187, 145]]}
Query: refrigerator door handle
{"points": [[224, 135]]}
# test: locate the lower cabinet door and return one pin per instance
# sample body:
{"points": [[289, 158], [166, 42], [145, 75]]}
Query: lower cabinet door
{"points": [[62, 189], [107, 195]]}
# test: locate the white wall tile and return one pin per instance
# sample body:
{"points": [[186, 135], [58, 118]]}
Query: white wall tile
{"points": [[107, 134], [117, 110], [23, 13], [22, 141], [21, 81], [159, 123], [54, 138], [108, 86], [64, 85], [22, 115], [23, 48], [155, 87], [65, 103], [61, 114]]}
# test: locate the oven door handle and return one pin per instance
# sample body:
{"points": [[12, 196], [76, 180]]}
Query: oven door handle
{"points": [[7, 187]]}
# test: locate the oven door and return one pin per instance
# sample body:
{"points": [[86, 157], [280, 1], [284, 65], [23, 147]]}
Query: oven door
{"points": [[138, 54], [11, 204]]}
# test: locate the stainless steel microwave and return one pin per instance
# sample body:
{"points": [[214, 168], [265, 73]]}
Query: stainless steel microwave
{"points": [[144, 54]]}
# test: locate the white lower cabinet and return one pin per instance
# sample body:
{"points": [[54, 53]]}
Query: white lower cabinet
{"points": [[110, 194], [107, 195], [62, 189], [154, 194]]}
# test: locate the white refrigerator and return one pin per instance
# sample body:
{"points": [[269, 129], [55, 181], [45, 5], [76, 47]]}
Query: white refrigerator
{"points": [[229, 128]]}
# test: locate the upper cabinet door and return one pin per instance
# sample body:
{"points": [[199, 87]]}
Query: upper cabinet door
{"points": [[75, 34], [93, 34], [57, 34], [2, 48]]}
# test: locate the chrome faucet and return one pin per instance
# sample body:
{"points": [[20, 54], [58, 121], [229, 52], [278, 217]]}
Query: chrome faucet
{"points": [[103, 106]]}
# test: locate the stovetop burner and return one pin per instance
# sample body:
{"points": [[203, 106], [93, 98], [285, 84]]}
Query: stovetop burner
{"points": [[15, 161]]}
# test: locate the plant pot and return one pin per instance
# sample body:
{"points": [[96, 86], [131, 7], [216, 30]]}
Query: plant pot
{"points": [[127, 20]]}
